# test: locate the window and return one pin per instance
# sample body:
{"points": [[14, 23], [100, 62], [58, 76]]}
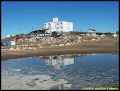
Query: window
{"points": [[49, 25], [61, 27], [68, 28]]}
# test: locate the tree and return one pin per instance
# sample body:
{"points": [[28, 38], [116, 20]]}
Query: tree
{"points": [[54, 34], [117, 32], [108, 33], [99, 33]]}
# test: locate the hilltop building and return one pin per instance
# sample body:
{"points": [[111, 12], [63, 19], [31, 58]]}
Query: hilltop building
{"points": [[58, 26]]}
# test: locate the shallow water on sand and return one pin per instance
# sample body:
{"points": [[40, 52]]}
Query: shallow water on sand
{"points": [[77, 71]]}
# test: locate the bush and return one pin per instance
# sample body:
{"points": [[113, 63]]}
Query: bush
{"points": [[108, 33], [78, 33], [117, 32], [99, 33], [54, 34]]}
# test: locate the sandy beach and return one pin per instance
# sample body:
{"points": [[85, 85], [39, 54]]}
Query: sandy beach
{"points": [[106, 45]]}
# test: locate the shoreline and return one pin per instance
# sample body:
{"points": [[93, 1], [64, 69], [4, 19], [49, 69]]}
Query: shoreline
{"points": [[83, 48]]}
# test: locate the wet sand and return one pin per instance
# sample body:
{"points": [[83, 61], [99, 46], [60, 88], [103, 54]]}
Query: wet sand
{"points": [[29, 82], [100, 46]]}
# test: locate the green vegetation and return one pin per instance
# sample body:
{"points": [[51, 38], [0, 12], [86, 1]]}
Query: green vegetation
{"points": [[117, 32], [78, 33], [108, 33], [55, 34], [99, 33]]}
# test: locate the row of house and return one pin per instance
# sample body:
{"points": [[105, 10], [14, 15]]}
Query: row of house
{"points": [[49, 27], [59, 27]]}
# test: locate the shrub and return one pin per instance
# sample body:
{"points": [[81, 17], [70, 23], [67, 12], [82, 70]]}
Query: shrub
{"points": [[54, 34]]}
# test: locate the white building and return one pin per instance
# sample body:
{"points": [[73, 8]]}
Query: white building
{"points": [[8, 36], [115, 35], [91, 32], [58, 26]]}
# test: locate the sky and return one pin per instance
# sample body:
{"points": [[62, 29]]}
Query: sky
{"points": [[24, 16]]}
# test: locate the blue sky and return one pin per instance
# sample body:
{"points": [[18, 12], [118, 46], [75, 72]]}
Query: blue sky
{"points": [[21, 15]]}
